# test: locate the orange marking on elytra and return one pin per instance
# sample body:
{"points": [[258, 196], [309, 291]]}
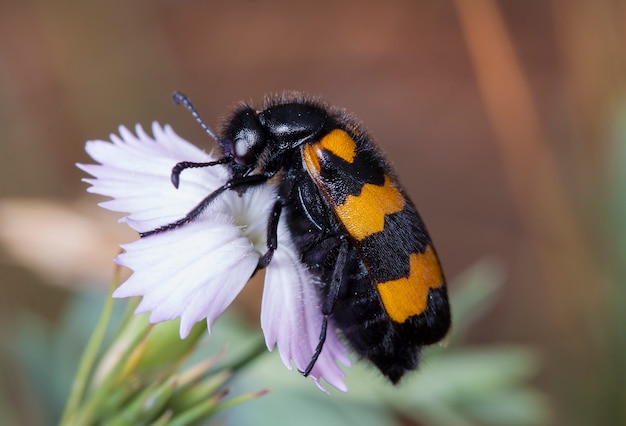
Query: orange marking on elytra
{"points": [[364, 214], [311, 158], [339, 143], [408, 296]]}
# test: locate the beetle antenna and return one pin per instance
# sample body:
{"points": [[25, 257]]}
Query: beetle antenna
{"points": [[180, 99]]}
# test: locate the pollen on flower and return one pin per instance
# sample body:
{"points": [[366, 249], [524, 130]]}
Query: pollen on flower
{"points": [[195, 271]]}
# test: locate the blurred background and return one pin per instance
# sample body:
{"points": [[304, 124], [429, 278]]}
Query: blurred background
{"points": [[505, 120]]}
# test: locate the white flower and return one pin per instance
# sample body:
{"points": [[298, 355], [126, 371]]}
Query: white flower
{"points": [[196, 270]]}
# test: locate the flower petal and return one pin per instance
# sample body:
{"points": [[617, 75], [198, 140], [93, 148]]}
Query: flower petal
{"points": [[135, 171], [193, 272], [291, 316]]}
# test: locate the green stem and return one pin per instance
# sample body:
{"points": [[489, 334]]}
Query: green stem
{"points": [[239, 400], [89, 410], [91, 352]]}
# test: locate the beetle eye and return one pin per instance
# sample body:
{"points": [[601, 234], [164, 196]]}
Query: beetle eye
{"points": [[244, 138], [243, 154]]}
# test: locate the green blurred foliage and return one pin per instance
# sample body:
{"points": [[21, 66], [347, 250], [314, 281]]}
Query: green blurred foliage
{"points": [[456, 385]]}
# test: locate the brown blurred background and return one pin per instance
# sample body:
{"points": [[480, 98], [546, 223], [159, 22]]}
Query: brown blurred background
{"points": [[497, 116]]}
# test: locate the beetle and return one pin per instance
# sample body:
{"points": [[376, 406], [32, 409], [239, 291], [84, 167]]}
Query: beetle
{"points": [[356, 230]]}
